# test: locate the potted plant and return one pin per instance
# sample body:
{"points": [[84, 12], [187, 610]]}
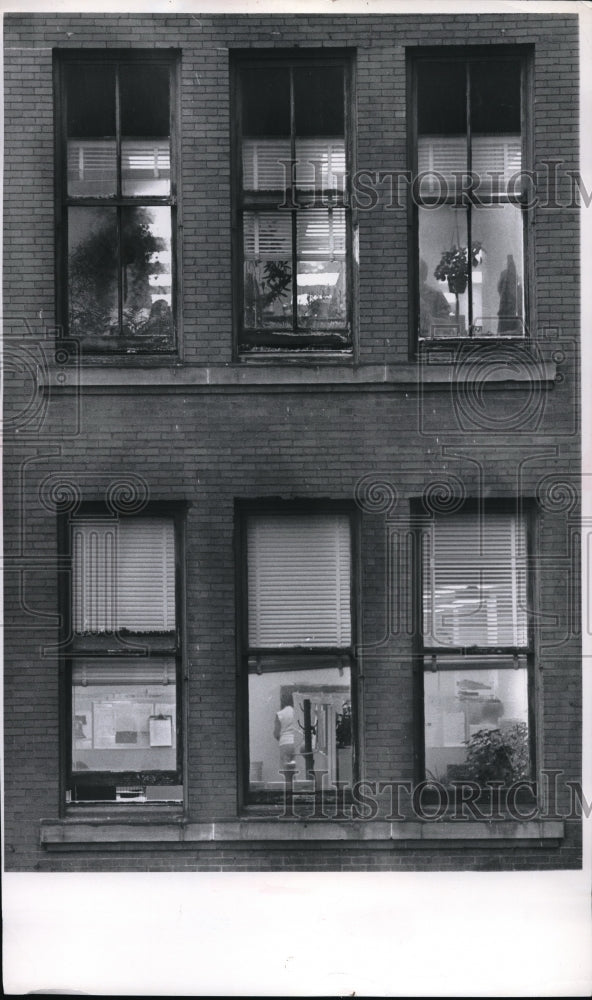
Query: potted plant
{"points": [[498, 755], [454, 268]]}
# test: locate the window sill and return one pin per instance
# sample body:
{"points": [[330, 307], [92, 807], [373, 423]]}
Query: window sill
{"points": [[144, 833], [239, 378]]}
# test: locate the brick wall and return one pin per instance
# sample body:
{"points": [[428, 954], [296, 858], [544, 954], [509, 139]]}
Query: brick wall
{"points": [[211, 444]]}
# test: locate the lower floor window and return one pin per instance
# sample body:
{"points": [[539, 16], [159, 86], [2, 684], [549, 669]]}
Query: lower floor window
{"points": [[298, 655], [123, 659], [300, 728], [476, 721]]}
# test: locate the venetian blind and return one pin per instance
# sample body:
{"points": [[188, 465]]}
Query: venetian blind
{"points": [[299, 580], [123, 575], [475, 581]]}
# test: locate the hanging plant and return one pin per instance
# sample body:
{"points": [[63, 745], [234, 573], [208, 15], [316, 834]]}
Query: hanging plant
{"points": [[454, 266]]}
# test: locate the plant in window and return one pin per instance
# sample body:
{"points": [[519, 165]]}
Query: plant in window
{"points": [[498, 755], [277, 279], [454, 267]]}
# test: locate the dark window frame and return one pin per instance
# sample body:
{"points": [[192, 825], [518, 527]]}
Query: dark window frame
{"points": [[75, 648], [63, 58], [521, 508], [302, 657], [455, 54], [270, 345]]}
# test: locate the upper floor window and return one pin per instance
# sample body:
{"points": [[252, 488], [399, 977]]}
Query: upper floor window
{"points": [[469, 152], [117, 193], [294, 247]]}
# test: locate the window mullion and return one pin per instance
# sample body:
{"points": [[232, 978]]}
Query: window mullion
{"points": [[293, 202], [120, 295], [469, 206]]}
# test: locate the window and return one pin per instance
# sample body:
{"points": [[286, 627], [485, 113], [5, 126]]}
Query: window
{"points": [[123, 659], [476, 654], [470, 222], [298, 651], [294, 246], [117, 202]]}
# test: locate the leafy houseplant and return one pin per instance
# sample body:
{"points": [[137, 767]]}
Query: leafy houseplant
{"points": [[496, 755], [454, 267]]}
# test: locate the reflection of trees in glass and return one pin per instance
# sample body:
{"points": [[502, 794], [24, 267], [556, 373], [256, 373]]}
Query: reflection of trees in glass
{"points": [[93, 279]]}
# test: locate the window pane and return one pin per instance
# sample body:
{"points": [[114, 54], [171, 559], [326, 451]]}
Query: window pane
{"points": [[267, 238], [265, 101], [90, 126], [318, 100], [495, 122], [476, 723], [300, 722], [299, 580], [443, 301], [498, 283], [322, 274], [123, 575], [145, 128], [266, 164], [495, 96], [441, 121], [124, 715], [320, 164], [474, 585], [147, 277], [92, 274]]}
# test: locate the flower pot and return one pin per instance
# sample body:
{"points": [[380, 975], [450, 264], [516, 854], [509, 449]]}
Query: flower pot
{"points": [[457, 285]]}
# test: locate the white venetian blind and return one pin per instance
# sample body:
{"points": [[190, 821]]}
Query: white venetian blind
{"points": [[474, 581], [123, 575], [299, 580]]}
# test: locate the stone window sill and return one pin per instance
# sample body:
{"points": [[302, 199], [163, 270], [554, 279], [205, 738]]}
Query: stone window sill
{"points": [[238, 378], [73, 834]]}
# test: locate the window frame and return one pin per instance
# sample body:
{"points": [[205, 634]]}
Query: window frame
{"points": [[421, 520], [295, 344], [74, 649], [307, 658], [62, 58], [415, 56]]}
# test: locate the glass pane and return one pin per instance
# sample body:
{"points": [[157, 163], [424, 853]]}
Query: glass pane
{"points": [[322, 294], [300, 722], [92, 275], [124, 715], [267, 240], [474, 581], [498, 283], [476, 723], [318, 100], [441, 122], [123, 575], [145, 128], [266, 101], [320, 164], [495, 122], [443, 272], [266, 164], [299, 580], [147, 277], [495, 97], [90, 127]]}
